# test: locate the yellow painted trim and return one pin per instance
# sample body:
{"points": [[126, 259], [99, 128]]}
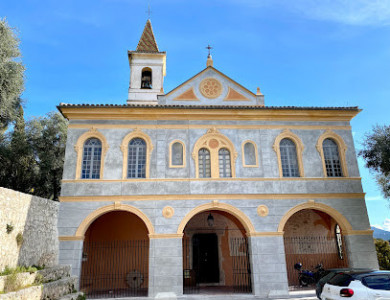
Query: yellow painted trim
{"points": [[202, 126], [79, 147], [184, 154], [213, 179], [233, 95], [113, 207], [136, 133], [215, 114], [223, 142], [342, 147], [359, 232], [255, 234], [211, 196], [215, 205], [188, 95], [70, 238], [243, 154], [311, 204], [166, 236], [299, 147]]}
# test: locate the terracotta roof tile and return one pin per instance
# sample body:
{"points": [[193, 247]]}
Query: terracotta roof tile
{"points": [[147, 43]]}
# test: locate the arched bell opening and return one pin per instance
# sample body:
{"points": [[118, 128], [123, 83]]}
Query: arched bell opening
{"points": [[115, 257], [312, 237], [146, 78], [215, 254]]}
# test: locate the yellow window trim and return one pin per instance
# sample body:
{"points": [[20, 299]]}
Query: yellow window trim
{"points": [[299, 146], [243, 155], [170, 154], [79, 147], [222, 142], [136, 133], [342, 147]]}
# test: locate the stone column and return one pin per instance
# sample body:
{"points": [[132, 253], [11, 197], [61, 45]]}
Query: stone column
{"points": [[268, 262], [361, 251], [70, 254], [166, 268]]}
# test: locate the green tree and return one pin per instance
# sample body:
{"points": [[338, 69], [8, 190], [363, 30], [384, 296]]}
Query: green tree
{"points": [[383, 252], [376, 153], [48, 138], [11, 75]]}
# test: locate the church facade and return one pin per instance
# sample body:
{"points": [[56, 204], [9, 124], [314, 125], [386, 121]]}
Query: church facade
{"points": [[207, 190]]}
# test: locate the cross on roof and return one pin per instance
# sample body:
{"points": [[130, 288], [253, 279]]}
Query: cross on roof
{"points": [[209, 48], [149, 11]]}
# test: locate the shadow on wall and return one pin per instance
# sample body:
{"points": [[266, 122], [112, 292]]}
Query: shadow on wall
{"points": [[28, 230]]}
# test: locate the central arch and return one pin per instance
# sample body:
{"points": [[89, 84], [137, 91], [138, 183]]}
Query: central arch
{"points": [[215, 250]]}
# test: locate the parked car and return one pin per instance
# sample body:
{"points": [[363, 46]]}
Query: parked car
{"points": [[330, 273], [358, 285]]}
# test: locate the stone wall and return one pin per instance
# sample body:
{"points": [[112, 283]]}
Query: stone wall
{"points": [[35, 219]]}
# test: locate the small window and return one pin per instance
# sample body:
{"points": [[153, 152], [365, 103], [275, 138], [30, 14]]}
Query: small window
{"points": [[332, 158], [249, 154], [224, 163], [91, 159], [137, 159], [146, 78], [177, 154], [377, 282], [288, 157], [204, 163], [341, 279]]}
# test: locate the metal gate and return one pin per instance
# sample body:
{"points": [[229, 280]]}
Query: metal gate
{"points": [[311, 251], [239, 268], [115, 269]]}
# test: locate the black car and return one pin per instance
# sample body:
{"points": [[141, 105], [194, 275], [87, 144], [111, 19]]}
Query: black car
{"points": [[330, 273]]}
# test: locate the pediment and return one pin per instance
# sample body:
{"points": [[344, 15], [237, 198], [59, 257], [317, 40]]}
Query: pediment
{"points": [[211, 87]]}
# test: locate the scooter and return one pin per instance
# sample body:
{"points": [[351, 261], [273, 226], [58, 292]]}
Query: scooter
{"points": [[307, 277]]}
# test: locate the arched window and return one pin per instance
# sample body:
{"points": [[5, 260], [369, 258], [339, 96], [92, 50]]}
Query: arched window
{"points": [[249, 154], [92, 155], [136, 167], [288, 157], [146, 78], [204, 163], [224, 163], [177, 155], [332, 158]]}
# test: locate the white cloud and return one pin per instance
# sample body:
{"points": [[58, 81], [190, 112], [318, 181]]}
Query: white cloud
{"points": [[384, 226], [374, 198], [351, 12]]}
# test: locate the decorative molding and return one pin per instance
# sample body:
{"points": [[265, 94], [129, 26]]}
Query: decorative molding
{"points": [[184, 154], [265, 234], [168, 212], [345, 226], [210, 88], [243, 218], [342, 147], [82, 228], [262, 210], [213, 140], [188, 95], [65, 238], [233, 95], [359, 232], [179, 197], [166, 236], [299, 147], [136, 133], [79, 147], [244, 164]]}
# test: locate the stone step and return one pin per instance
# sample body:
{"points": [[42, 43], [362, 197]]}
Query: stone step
{"points": [[74, 296], [57, 289], [55, 273]]}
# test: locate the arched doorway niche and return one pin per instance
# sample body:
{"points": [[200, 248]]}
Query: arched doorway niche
{"points": [[215, 254], [312, 237], [115, 259]]}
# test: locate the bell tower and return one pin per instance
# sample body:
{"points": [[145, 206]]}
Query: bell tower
{"points": [[147, 69]]}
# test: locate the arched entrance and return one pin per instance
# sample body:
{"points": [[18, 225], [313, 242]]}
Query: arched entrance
{"points": [[312, 237], [115, 256], [215, 254]]}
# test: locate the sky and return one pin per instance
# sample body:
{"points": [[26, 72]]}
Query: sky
{"points": [[301, 52]]}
